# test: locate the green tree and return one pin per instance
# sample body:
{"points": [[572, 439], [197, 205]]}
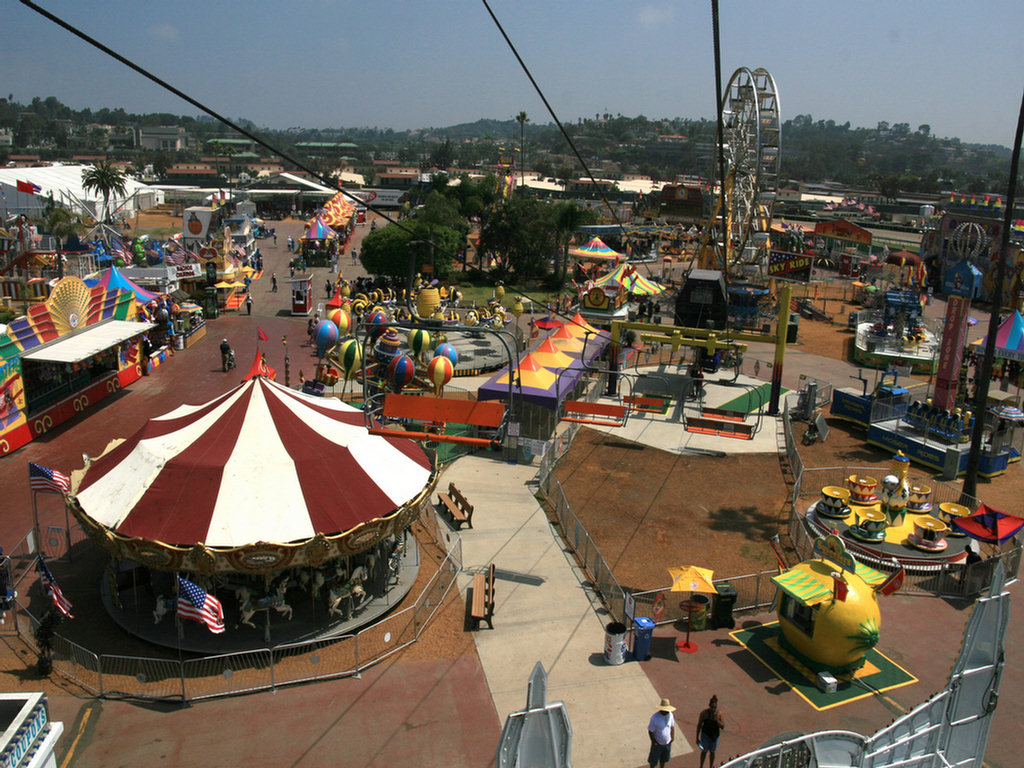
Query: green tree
{"points": [[105, 178], [62, 224], [568, 218], [564, 175]]}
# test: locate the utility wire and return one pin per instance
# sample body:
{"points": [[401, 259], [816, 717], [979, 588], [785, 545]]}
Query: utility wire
{"points": [[551, 112], [282, 154], [200, 106]]}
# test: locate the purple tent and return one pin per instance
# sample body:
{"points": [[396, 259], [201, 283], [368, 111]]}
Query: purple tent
{"points": [[114, 279]]}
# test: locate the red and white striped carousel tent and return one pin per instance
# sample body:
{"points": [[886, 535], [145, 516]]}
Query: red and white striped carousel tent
{"points": [[258, 479]]}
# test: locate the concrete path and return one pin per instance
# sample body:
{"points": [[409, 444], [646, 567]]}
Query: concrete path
{"points": [[545, 612]]}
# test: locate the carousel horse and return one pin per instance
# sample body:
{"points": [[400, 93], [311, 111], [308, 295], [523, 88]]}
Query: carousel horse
{"points": [[351, 591], [273, 600]]}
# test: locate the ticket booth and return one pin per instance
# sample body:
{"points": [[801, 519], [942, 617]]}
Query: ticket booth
{"points": [[302, 295]]}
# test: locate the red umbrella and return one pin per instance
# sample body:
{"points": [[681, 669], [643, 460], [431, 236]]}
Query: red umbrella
{"points": [[989, 525]]}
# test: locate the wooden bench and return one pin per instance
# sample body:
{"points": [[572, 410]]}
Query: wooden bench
{"points": [[482, 604], [457, 506]]}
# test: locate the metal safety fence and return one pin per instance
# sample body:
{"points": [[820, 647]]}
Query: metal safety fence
{"points": [[195, 678]]}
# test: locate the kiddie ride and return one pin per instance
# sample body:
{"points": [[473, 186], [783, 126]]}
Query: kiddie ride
{"points": [[397, 375], [934, 437], [894, 519]]}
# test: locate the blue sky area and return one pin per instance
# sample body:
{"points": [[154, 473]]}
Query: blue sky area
{"points": [[955, 66]]}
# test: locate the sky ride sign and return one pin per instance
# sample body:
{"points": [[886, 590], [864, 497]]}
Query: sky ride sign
{"points": [[793, 266]]}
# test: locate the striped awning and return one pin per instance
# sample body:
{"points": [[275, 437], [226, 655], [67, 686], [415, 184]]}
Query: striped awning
{"points": [[90, 341], [805, 586]]}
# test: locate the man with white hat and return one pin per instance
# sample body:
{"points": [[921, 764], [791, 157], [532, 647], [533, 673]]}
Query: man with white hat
{"points": [[662, 730]]}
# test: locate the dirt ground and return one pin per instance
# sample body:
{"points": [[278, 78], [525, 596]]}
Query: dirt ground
{"points": [[649, 510]]}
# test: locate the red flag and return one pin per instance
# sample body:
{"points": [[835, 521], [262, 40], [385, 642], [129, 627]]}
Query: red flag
{"points": [[29, 187], [260, 335], [892, 584]]}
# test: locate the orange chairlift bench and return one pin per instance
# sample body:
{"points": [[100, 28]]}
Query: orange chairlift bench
{"points": [[439, 411]]}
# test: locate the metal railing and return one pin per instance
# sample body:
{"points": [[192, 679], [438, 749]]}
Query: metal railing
{"points": [[152, 678]]}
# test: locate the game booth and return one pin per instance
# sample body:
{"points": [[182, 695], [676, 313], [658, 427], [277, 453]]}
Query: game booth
{"points": [[78, 347]]}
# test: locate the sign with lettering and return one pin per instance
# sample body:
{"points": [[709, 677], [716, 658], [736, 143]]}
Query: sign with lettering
{"points": [[184, 271]]}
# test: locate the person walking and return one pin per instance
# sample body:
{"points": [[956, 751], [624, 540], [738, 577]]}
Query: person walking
{"points": [[662, 732], [710, 725], [273, 282], [248, 303]]}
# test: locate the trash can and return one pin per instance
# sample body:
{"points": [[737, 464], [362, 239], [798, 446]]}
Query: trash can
{"points": [[794, 324], [614, 643], [698, 619], [721, 610], [643, 628]]}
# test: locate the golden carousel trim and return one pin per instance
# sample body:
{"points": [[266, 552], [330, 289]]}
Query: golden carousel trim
{"points": [[260, 557]]}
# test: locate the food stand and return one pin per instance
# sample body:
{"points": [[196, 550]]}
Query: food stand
{"points": [[190, 324]]}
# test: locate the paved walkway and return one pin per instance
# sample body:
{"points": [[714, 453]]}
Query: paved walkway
{"points": [[545, 612]]}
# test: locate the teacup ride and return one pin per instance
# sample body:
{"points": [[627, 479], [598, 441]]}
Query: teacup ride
{"points": [[870, 526], [835, 502], [929, 534], [920, 501], [950, 511], [862, 489]]}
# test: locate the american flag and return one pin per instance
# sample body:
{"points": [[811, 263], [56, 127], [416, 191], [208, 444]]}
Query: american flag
{"points": [[194, 603], [46, 578], [117, 249], [42, 478]]}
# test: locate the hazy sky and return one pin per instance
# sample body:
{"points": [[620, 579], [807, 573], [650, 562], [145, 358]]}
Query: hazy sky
{"points": [[956, 66]]}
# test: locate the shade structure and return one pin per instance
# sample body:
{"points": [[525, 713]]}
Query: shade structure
{"points": [[115, 279], [691, 578], [318, 229], [550, 356], [1009, 338], [578, 326], [338, 211], [258, 479], [1007, 413], [596, 250], [534, 384], [989, 525], [627, 276]]}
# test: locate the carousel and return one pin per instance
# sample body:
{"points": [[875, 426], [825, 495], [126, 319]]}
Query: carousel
{"points": [[282, 505]]}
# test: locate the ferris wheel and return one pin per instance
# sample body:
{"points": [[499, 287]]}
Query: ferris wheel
{"points": [[751, 139]]}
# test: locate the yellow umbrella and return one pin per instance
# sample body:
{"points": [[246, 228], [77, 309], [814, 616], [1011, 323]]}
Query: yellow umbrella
{"points": [[690, 578], [248, 271]]}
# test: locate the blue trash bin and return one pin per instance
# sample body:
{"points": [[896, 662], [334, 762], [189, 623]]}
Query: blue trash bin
{"points": [[643, 629]]}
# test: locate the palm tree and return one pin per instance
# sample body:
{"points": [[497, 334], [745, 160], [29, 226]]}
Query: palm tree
{"points": [[105, 178], [522, 119], [61, 223], [568, 218]]}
